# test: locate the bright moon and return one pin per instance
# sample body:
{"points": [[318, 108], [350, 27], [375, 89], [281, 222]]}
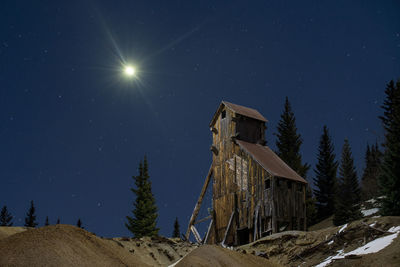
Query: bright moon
{"points": [[129, 70]]}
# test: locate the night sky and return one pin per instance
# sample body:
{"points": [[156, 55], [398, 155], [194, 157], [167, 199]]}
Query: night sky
{"points": [[73, 128]]}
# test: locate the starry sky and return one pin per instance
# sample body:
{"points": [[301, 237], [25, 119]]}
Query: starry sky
{"points": [[73, 128]]}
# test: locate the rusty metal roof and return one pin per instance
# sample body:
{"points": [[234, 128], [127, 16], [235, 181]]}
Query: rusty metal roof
{"points": [[242, 110], [270, 161]]}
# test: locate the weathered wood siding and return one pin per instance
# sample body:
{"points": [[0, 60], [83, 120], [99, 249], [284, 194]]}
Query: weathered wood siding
{"points": [[240, 184]]}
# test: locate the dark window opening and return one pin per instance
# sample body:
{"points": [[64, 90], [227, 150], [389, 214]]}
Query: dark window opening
{"points": [[243, 236], [267, 183], [289, 184], [278, 182], [223, 114]]}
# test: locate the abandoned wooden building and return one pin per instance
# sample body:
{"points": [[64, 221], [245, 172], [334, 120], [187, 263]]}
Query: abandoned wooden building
{"points": [[254, 192]]}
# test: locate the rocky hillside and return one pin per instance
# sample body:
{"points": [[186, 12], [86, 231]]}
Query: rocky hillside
{"points": [[360, 241]]}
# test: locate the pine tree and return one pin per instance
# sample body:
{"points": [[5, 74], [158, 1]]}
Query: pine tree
{"points": [[348, 195], [79, 223], [30, 219], [311, 210], [289, 141], [325, 179], [176, 232], [389, 178], [369, 180], [46, 223], [288, 144], [145, 210], [5, 217]]}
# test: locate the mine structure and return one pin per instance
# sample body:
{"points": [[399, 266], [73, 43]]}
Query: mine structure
{"points": [[254, 192]]}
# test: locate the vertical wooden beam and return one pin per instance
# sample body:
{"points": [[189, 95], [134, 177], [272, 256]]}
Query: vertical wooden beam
{"points": [[199, 201]]}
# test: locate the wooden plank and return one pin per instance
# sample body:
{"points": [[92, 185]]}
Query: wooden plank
{"points": [[195, 233], [199, 201], [256, 220], [202, 220]]}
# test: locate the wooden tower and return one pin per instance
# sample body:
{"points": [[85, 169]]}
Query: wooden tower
{"points": [[254, 192]]}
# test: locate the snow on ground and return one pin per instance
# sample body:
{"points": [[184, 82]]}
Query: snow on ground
{"points": [[372, 201], [369, 212], [371, 247]]}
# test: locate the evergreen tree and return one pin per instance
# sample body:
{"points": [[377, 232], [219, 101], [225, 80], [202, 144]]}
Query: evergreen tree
{"points": [[58, 221], [176, 232], [348, 195], [289, 141], [145, 210], [79, 223], [389, 178], [30, 219], [311, 210], [288, 144], [46, 223], [5, 217], [325, 179], [369, 180]]}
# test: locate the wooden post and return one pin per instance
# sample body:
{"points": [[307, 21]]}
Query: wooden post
{"points": [[199, 201]]}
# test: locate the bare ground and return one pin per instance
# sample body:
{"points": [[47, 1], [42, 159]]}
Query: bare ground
{"points": [[66, 245], [298, 248], [211, 255], [63, 245]]}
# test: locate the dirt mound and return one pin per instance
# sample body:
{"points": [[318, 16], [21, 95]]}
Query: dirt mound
{"points": [[209, 255], [63, 245], [156, 251], [6, 231]]}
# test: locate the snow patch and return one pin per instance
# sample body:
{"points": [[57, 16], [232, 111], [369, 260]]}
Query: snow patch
{"points": [[369, 212], [371, 247], [394, 229], [330, 242]]}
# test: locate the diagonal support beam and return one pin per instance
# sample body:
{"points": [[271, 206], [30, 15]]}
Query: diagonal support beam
{"points": [[227, 229], [196, 234], [203, 220], [199, 201]]}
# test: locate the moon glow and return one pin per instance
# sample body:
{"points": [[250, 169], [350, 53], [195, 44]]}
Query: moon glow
{"points": [[129, 71]]}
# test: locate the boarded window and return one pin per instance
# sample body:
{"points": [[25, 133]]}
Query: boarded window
{"points": [[239, 166]]}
